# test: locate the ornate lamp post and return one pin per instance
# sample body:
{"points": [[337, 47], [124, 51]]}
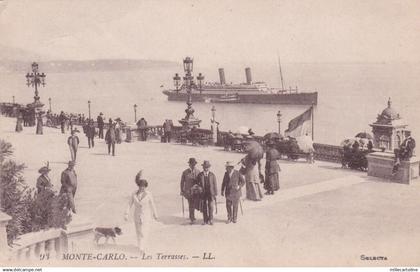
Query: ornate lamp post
{"points": [[135, 113], [189, 120], [279, 120], [49, 102], [89, 107], [35, 79]]}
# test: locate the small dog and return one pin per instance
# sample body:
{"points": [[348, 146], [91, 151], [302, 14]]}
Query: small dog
{"points": [[107, 233]]}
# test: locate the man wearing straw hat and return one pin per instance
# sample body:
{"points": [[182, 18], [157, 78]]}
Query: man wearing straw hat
{"points": [[231, 189], [69, 184], [188, 180], [207, 181], [43, 182]]}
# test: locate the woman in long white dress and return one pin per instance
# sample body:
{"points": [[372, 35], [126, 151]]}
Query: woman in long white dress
{"points": [[251, 169], [144, 212]]}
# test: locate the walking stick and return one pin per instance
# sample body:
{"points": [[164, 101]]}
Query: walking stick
{"points": [[240, 205], [183, 212]]}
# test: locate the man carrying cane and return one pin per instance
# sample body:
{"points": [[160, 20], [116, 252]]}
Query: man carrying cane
{"points": [[188, 180], [207, 181], [231, 189]]}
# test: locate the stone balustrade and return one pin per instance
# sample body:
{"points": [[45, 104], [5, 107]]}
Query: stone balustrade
{"points": [[41, 244], [47, 244]]}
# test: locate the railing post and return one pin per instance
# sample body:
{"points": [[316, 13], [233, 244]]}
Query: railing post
{"points": [[4, 220], [128, 136]]}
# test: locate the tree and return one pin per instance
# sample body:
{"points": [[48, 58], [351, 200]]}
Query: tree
{"points": [[30, 211]]}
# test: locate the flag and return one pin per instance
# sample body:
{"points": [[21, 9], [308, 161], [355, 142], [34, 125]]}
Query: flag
{"points": [[300, 125]]}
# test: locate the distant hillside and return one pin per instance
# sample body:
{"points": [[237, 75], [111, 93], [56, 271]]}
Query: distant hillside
{"points": [[17, 54], [60, 66]]}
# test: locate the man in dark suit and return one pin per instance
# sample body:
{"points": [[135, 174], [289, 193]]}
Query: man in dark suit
{"points": [[188, 180], [231, 189], [90, 133], [110, 138], [101, 124], [69, 185], [207, 181]]}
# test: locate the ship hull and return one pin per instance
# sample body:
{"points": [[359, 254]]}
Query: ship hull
{"points": [[282, 99]]}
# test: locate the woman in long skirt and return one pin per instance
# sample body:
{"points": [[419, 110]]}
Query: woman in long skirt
{"points": [[19, 122], [272, 169], [144, 212], [252, 178]]}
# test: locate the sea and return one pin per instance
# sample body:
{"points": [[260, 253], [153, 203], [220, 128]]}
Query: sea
{"points": [[350, 95]]}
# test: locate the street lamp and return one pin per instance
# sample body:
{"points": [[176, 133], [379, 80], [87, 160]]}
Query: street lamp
{"points": [[89, 107], [214, 124], [135, 113], [35, 79], [279, 120], [177, 81], [49, 102], [13, 99], [213, 113], [189, 120], [200, 79]]}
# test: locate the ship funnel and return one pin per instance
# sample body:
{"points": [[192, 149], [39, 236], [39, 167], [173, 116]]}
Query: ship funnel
{"points": [[222, 76], [248, 75]]}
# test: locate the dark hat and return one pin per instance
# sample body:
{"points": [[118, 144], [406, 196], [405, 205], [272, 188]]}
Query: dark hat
{"points": [[192, 161], [230, 164], [141, 182], [44, 169], [206, 164], [139, 175], [101, 113], [72, 163]]}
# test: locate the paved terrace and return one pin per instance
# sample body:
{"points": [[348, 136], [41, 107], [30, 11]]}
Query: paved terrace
{"points": [[322, 215]]}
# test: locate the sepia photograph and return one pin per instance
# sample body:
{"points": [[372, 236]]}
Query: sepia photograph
{"points": [[193, 133]]}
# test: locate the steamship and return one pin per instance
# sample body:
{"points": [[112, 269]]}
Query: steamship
{"points": [[248, 92]]}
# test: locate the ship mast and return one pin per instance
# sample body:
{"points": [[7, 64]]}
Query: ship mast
{"points": [[281, 74]]}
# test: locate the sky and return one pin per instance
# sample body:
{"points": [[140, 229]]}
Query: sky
{"points": [[215, 31]]}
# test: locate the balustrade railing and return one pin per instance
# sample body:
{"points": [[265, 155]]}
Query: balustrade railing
{"points": [[48, 244]]}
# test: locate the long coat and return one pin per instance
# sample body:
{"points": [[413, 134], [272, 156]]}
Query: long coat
{"points": [[110, 135], [42, 183], [90, 131], [212, 190], [188, 179], [68, 181], [272, 170], [73, 141], [232, 186]]}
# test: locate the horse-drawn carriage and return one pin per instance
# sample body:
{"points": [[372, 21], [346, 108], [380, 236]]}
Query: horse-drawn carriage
{"points": [[195, 136], [236, 142], [354, 151], [290, 148], [293, 149]]}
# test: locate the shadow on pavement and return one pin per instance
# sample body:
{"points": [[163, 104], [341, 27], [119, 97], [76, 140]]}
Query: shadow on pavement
{"points": [[59, 162]]}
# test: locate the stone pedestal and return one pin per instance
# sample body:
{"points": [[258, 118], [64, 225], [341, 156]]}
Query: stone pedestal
{"points": [[79, 232], [380, 164], [128, 137]]}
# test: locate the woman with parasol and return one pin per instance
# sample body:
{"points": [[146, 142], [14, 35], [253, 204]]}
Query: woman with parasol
{"points": [[251, 168]]}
